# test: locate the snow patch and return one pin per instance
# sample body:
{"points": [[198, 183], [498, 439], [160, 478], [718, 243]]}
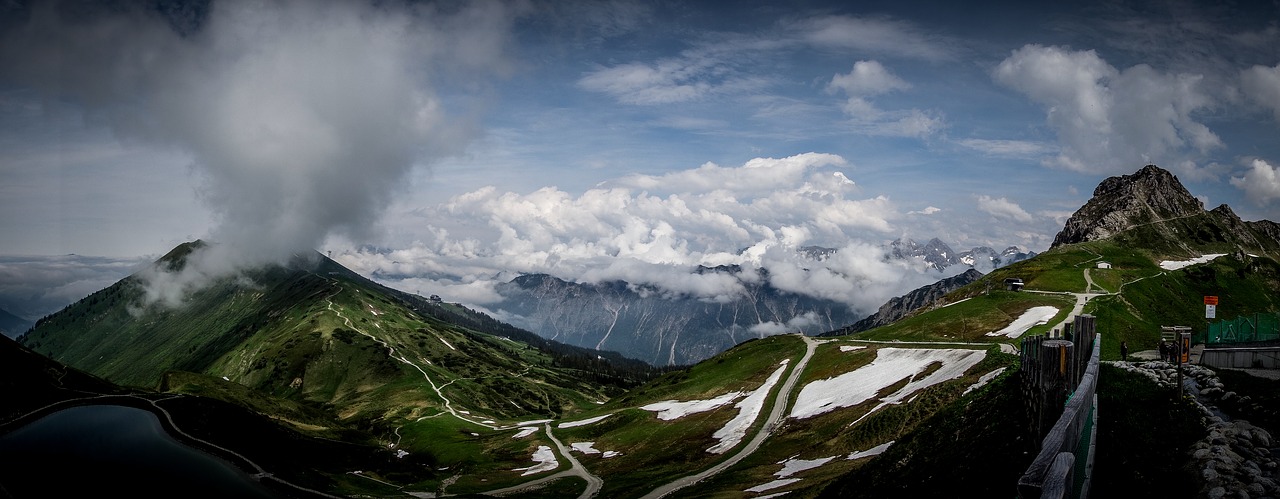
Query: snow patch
{"points": [[546, 461], [584, 447], [1031, 318], [986, 378], [673, 409], [583, 422], [446, 343], [610, 453], [874, 451], [891, 365], [1175, 265], [748, 409], [773, 485], [792, 465], [536, 421], [850, 348], [524, 432]]}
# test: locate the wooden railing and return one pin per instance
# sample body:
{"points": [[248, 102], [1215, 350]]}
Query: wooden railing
{"points": [[1061, 374]]}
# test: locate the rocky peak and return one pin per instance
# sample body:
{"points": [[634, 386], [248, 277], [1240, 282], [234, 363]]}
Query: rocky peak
{"points": [[1121, 202]]}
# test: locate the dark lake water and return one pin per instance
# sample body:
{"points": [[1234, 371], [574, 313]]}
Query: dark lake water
{"points": [[112, 451]]}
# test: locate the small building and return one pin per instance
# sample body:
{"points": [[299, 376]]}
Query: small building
{"points": [[1104, 265], [1013, 284]]}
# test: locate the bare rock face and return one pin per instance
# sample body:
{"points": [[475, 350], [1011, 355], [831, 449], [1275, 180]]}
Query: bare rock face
{"points": [[1122, 202]]}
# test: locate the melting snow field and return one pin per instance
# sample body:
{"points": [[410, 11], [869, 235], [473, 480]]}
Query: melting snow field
{"points": [[986, 378], [672, 409], [792, 466], [526, 431], [546, 461], [850, 348], [748, 409], [1175, 265], [589, 448], [773, 485], [1031, 318], [584, 422], [891, 365], [874, 451]]}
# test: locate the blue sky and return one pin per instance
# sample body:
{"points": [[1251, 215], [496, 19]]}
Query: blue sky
{"points": [[444, 147]]}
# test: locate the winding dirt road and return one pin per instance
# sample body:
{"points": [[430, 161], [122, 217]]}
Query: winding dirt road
{"points": [[775, 416]]}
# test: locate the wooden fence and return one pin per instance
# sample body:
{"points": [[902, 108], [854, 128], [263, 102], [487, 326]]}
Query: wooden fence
{"points": [[1059, 384]]}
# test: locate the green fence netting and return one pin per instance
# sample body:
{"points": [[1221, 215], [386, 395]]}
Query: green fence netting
{"points": [[1243, 329]]}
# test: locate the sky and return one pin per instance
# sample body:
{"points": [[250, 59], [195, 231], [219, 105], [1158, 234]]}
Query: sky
{"points": [[443, 148]]}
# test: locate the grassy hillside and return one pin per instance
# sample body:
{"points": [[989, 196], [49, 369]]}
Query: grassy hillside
{"points": [[330, 354]]}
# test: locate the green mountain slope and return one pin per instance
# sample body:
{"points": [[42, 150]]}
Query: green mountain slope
{"points": [[327, 352], [480, 408]]}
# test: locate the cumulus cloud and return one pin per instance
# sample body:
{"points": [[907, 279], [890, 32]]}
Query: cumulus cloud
{"points": [[1262, 84], [868, 79], [1003, 208], [1261, 183], [927, 211], [302, 118], [656, 230], [1108, 120]]}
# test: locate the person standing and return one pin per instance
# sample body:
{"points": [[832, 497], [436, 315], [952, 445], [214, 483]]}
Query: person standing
{"points": [[1124, 351]]}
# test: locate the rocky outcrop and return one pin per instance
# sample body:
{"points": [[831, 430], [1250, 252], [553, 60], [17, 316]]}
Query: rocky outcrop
{"points": [[1122, 202], [1152, 210], [904, 305]]}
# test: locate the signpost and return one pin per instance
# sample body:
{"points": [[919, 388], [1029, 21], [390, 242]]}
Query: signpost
{"points": [[1210, 307]]}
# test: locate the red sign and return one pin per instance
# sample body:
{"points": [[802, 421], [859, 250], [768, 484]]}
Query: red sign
{"points": [[1210, 300]]}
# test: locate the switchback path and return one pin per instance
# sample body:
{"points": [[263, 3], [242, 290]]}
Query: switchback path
{"points": [[575, 469], [775, 416]]}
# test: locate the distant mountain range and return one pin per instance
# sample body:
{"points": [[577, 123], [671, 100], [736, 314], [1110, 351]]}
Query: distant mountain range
{"points": [[413, 395], [940, 256], [647, 324], [11, 325]]}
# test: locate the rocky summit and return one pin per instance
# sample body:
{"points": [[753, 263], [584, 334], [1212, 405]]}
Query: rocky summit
{"points": [[1122, 202], [1151, 209]]}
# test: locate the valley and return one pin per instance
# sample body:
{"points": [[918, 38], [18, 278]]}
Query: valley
{"points": [[389, 394]]}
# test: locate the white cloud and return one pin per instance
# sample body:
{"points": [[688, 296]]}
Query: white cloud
{"points": [[655, 230], [1262, 84], [301, 119], [637, 83], [1003, 208], [927, 211], [870, 78], [1008, 148], [1109, 120], [867, 78], [881, 36], [1261, 184]]}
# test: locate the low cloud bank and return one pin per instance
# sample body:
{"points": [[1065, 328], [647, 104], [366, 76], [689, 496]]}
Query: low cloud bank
{"points": [[659, 231]]}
